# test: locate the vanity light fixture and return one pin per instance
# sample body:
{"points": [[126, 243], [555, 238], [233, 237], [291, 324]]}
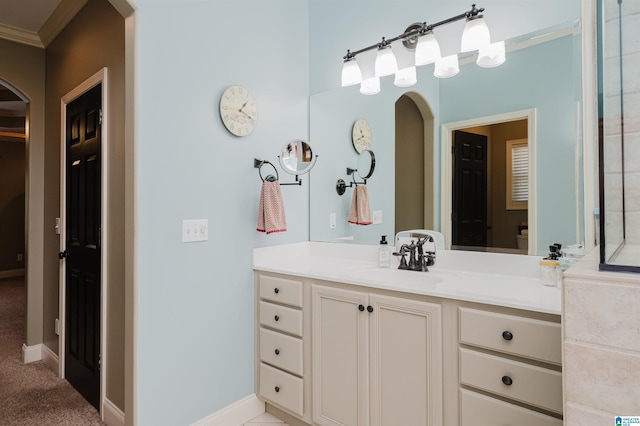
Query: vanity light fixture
{"points": [[419, 37]]}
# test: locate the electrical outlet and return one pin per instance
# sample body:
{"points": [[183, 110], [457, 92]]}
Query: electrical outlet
{"points": [[19, 257], [195, 230], [332, 221], [377, 217]]}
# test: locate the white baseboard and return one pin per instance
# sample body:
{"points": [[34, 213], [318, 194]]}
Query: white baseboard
{"points": [[31, 353], [112, 415], [50, 359], [237, 413], [10, 273]]}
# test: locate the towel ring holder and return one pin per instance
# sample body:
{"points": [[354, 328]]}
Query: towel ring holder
{"points": [[341, 185], [269, 178]]}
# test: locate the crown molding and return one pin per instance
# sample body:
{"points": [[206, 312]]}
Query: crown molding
{"points": [[18, 35], [61, 16]]}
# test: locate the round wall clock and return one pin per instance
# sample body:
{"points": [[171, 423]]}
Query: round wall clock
{"points": [[238, 110], [361, 135]]}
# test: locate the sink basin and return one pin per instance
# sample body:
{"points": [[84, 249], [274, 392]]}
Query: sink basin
{"points": [[395, 276]]}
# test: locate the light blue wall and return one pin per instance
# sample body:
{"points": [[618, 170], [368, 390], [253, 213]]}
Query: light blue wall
{"points": [[195, 301]]}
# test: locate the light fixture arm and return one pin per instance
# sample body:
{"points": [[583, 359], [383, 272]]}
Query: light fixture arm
{"points": [[416, 29]]}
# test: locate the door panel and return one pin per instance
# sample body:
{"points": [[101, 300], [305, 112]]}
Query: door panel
{"points": [[83, 215], [469, 208]]}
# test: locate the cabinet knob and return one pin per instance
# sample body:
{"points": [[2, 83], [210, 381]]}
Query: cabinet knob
{"points": [[277, 318], [276, 290], [277, 351], [361, 308], [507, 335], [277, 388], [369, 308], [507, 380]]}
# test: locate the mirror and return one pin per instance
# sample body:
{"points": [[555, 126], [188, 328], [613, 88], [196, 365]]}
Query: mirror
{"points": [[366, 164], [541, 75], [297, 157]]}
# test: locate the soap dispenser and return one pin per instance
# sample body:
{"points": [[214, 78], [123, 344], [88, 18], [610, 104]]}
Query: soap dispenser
{"points": [[384, 253]]}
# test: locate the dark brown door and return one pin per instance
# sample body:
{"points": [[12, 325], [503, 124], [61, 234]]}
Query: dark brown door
{"points": [[83, 195], [469, 210]]}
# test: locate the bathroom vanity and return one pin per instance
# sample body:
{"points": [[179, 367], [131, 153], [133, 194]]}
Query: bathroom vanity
{"points": [[474, 341]]}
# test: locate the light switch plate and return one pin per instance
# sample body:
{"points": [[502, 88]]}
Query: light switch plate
{"points": [[377, 217], [194, 230]]}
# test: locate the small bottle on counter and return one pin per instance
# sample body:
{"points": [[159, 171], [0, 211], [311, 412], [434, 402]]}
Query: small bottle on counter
{"points": [[384, 253]]}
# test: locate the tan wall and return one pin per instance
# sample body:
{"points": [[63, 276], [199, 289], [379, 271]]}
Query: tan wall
{"points": [[93, 40], [12, 190], [23, 68], [504, 236]]}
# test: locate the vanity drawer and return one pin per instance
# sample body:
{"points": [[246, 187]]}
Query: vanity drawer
{"points": [[281, 351], [526, 337], [537, 386], [481, 410], [281, 318], [281, 388], [281, 290]]}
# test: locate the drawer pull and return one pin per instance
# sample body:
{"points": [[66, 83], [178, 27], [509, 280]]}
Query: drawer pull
{"points": [[369, 308], [276, 290], [277, 351], [277, 388], [507, 380], [361, 308], [277, 318], [507, 335]]}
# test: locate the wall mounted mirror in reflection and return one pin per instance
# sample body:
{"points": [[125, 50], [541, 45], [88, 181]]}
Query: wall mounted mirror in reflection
{"points": [[366, 164], [297, 157], [410, 186]]}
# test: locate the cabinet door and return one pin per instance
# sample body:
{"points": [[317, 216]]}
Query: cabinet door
{"points": [[339, 357], [406, 362]]}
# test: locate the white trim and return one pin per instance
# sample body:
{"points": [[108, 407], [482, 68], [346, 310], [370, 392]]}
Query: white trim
{"points": [[589, 121], [58, 20], [446, 169], [237, 413], [98, 78], [19, 35], [50, 358], [112, 415], [10, 273], [31, 353]]}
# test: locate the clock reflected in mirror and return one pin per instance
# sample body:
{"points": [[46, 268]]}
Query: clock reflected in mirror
{"points": [[238, 110], [361, 135]]}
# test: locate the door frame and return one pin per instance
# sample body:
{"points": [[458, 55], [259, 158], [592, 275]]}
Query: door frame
{"points": [[98, 78], [446, 169]]}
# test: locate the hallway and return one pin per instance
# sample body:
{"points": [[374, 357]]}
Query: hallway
{"points": [[32, 394]]}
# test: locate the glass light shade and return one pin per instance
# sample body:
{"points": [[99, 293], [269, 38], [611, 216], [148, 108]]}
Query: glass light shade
{"points": [[446, 67], [370, 86], [351, 73], [386, 63], [427, 49], [475, 35], [491, 55], [406, 77]]}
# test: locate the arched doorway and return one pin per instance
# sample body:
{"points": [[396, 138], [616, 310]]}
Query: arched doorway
{"points": [[414, 163]]}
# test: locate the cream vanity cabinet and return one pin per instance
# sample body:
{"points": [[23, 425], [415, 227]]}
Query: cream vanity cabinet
{"points": [[509, 368], [376, 359], [280, 342]]}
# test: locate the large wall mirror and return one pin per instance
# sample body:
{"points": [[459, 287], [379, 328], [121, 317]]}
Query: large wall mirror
{"points": [[534, 97]]}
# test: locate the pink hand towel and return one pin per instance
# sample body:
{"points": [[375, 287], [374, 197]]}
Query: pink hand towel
{"points": [[271, 209], [360, 213]]}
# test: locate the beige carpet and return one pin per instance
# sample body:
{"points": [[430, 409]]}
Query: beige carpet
{"points": [[32, 394]]}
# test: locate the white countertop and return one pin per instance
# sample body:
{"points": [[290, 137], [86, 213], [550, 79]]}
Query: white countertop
{"points": [[492, 278]]}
